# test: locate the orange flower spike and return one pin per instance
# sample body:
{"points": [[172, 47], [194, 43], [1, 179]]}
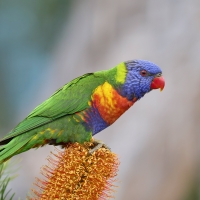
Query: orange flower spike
{"points": [[75, 174]]}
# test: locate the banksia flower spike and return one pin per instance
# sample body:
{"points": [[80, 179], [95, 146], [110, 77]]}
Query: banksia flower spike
{"points": [[75, 174]]}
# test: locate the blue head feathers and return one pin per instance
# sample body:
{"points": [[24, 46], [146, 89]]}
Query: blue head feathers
{"points": [[140, 74]]}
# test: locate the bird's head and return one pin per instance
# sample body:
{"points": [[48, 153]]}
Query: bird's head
{"points": [[142, 77]]}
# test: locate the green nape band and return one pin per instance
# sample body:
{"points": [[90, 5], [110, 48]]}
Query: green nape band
{"points": [[121, 73]]}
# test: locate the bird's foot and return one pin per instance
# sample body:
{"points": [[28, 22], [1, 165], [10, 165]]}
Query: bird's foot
{"points": [[98, 144]]}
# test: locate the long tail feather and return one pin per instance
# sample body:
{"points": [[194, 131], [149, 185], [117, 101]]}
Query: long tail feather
{"points": [[8, 150]]}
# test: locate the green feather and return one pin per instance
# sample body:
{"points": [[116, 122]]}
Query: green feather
{"points": [[54, 119], [69, 99], [12, 149]]}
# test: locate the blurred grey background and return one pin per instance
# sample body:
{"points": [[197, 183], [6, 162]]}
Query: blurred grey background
{"points": [[45, 44]]}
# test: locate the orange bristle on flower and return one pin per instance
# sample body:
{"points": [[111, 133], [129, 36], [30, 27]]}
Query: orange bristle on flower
{"points": [[75, 174]]}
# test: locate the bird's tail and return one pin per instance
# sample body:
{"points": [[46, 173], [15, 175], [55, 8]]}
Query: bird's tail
{"points": [[11, 149]]}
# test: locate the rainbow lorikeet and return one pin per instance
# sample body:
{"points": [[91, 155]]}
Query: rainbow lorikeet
{"points": [[83, 107]]}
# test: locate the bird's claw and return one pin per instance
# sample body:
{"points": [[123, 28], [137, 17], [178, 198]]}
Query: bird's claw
{"points": [[98, 145]]}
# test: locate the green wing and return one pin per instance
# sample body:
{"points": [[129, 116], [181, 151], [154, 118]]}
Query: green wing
{"points": [[71, 98]]}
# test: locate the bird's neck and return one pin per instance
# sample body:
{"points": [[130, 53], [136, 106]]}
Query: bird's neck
{"points": [[122, 81], [117, 77]]}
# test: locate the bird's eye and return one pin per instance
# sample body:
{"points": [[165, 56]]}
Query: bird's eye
{"points": [[143, 72]]}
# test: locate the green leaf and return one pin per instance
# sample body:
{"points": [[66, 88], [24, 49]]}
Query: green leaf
{"points": [[6, 175]]}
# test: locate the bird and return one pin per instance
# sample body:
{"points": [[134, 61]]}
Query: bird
{"points": [[83, 107]]}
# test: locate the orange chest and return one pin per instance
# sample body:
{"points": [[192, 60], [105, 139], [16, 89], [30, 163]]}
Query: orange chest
{"points": [[110, 104]]}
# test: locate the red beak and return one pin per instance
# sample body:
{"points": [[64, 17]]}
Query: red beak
{"points": [[158, 82]]}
